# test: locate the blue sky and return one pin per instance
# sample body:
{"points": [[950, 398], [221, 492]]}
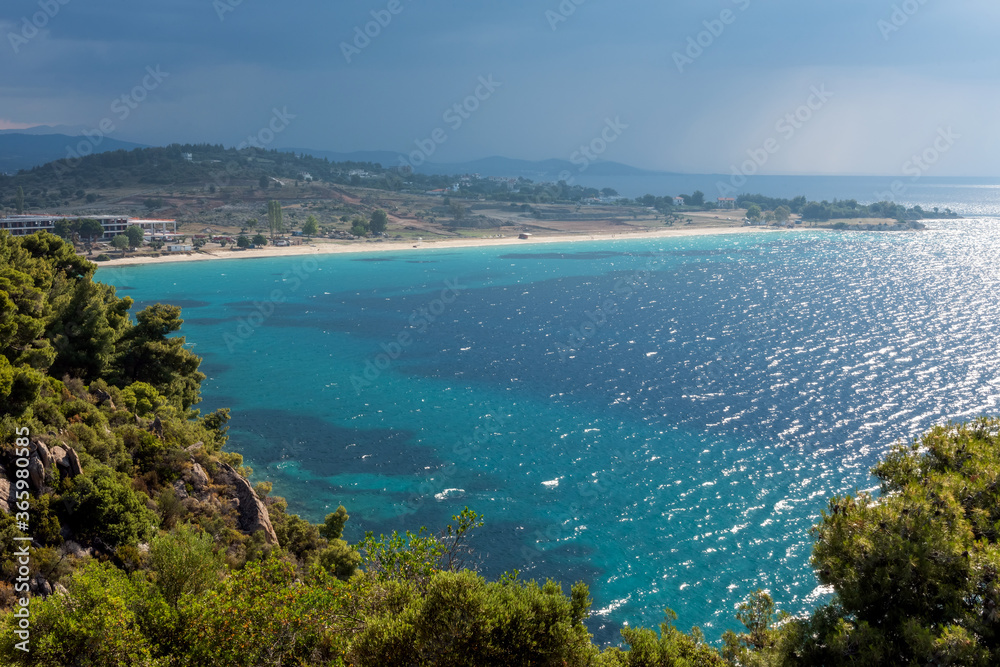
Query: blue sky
{"points": [[892, 85]]}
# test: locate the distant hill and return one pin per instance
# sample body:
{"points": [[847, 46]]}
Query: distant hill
{"points": [[75, 182], [385, 158], [63, 182], [25, 151], [68, 130], [545, 170], [37, 146]]}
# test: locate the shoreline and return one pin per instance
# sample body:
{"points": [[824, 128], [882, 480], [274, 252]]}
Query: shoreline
{"points": [[444, 244]]}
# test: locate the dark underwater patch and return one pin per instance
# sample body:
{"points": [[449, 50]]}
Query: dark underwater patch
{"points": [[327, 449], [183, 304], [591, 255]]}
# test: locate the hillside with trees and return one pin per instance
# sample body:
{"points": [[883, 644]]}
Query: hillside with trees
{"points": [[68, 181], [231, 175], [850, 209]]}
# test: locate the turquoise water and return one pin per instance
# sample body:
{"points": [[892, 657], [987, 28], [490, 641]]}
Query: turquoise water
{"points": [[663, 419]]}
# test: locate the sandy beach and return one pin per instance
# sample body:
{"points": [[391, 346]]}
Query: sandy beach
{"points": [[333, 247]]}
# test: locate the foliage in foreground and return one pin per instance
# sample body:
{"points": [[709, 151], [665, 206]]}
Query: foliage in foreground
{"points": [[916, 570], [268, 614], [150, 570]]}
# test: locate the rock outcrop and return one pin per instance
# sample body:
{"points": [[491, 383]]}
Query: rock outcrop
{"points": [[156, 428], [39, 469], [67, 460], [73, 461], [39, 461], [198, 478], [103, 397], [41, 450], [36, 473], [253, 515], [41, 587], [7, 498], [58, 454], [71, 548]]}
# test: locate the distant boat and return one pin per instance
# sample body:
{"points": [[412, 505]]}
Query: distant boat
{"points": [[525, 236]]}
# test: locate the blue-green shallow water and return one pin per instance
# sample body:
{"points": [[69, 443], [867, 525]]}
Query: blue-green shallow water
{"points": [[675, 455]]}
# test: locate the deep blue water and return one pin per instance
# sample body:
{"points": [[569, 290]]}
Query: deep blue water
{"points": [[663, 419]]}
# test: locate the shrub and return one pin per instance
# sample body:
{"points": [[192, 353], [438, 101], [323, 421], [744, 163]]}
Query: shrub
{"points": [[142, 398], [105, 507], [463, 621], [262, 616], [100, 622], [185, 563]]}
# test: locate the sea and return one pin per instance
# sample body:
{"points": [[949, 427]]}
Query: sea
{"points": [[967, 196], [663, 419]]}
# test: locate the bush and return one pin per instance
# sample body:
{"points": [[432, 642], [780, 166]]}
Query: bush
{"points": [[915, 571], [262, 616], [340, 559], [102, 258], [105, 507], [142, 398], [185, 563], [101, 622], [463, 621]]}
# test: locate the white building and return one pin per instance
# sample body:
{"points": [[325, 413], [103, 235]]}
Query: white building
{"points": [[23, 225]]}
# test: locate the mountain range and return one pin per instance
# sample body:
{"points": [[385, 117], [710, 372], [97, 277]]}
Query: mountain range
{"points": [[21, 150], [33, 147], [544, 170]]}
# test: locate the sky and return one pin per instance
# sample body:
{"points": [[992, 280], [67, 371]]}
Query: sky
{"points": [[799, 87]]}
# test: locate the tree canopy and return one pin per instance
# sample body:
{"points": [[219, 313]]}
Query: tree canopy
{"points": [[275, 218], [120, 241], [135, 235], [311, 226], [379, 221]]}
